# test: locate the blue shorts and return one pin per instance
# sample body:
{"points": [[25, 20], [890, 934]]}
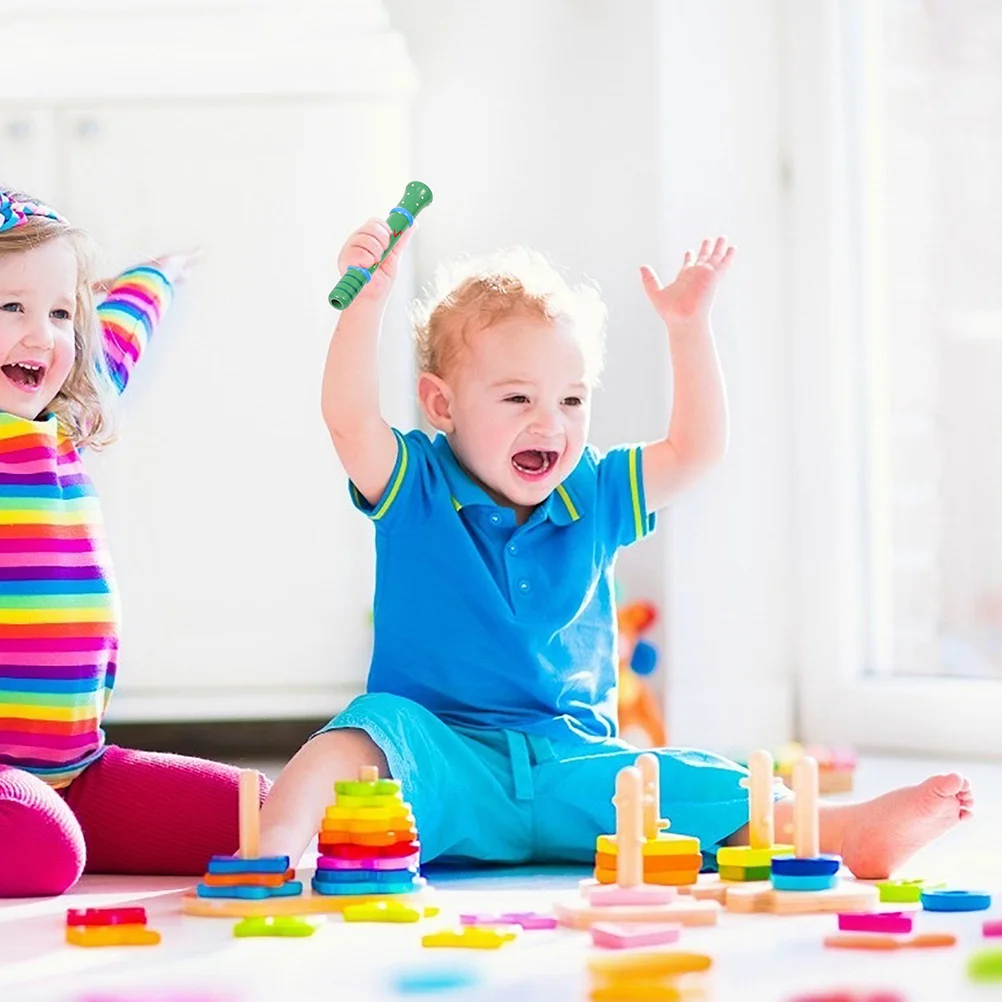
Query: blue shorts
{"points": [[508, 797]]}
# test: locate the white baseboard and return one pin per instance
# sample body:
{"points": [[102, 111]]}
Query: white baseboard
{"points": [[261, 704]]}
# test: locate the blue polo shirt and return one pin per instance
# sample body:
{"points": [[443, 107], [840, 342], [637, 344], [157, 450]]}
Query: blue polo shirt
{"points": [[492, 625]]}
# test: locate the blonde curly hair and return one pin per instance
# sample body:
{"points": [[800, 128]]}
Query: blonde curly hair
{"points": [[469, 295], [82, 404]]}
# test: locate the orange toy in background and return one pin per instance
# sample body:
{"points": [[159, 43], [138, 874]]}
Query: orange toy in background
{"points": [[640, 718]]}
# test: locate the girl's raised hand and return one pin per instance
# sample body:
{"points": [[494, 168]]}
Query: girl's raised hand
{"points": [[690, 296], [175, 265]]}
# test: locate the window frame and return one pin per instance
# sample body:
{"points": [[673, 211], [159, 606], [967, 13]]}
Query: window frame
{"points": [[836, 239]]}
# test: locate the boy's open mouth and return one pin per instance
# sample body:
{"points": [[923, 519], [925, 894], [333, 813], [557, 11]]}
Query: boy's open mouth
{"points": [[24, 375], [533, 464]]}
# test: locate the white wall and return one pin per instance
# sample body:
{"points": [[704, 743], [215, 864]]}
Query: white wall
{"points": [[610, 134], [246, 579]]}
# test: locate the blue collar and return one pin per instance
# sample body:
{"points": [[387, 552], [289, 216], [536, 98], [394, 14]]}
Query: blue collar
{"points": [[561, 507]]}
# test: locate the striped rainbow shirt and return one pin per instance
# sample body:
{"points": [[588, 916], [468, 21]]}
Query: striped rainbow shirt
{"points": [[58, 601]]}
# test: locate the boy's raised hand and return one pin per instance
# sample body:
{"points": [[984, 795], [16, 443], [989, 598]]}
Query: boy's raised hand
{"points": [[690, 297], [364, 248]]}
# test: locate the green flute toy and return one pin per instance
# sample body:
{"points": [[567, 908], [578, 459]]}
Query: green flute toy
{"points": [[416, 196]]}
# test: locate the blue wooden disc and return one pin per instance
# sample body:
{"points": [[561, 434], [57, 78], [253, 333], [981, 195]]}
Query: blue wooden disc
{"points": [[349, 890], [345, 876], [236, 864], [956, 901], [366, 876], [435, 979], [808, 866], [397, 876], [819, 882], [289, 889]]}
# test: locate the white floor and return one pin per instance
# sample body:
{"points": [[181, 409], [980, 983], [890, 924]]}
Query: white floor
{"points": [[757, 958]]}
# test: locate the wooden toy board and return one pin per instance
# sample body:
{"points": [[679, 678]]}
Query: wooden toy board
{"points": [[202, 956], [308, 903], [847, 896], [710, 887], [758, 896], [579, 914]]}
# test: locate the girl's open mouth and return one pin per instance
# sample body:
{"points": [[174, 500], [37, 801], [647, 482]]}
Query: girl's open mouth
{"points": [[25, 376], [534, 464]]}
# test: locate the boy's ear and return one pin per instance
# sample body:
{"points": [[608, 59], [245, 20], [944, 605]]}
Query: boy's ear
{"points": [[436, 402]]}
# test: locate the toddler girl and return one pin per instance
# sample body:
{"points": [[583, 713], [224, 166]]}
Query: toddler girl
{"points": [[68, 801]]}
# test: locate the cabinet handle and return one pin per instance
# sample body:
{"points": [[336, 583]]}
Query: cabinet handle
{"points": [[19, 129], [88, 128]]}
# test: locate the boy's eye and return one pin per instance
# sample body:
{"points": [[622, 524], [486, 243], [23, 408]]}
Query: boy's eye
{"points": [[517, 398], [12, 308]]}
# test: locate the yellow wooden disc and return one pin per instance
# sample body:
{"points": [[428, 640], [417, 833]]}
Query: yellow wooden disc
{"points": [[650, 964], [471, 937], [650, 991], [126, 934], [665, 844], [338, 813], [636, 991], [391, 801], [746, 856]]}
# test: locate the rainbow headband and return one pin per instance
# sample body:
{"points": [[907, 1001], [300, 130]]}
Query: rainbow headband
{"points": [[14, 212]]}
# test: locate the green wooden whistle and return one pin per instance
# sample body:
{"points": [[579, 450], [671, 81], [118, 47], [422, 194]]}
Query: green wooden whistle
{"points": [[416, 196]]}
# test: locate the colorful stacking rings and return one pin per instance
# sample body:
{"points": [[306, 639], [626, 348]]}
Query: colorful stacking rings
{"points": [[811, 866], [955, 901]]}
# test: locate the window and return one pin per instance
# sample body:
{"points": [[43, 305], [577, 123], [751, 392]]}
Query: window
{"points": [[898, 211], [935, 334]]}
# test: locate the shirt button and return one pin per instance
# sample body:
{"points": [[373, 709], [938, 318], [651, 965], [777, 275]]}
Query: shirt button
{"points": [[495, 518], [512, 549], [524, 586]]}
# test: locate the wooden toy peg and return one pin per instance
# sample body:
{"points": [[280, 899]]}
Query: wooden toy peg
{"points": [[806, 838], [368, 774], [761, 815], [629, 827], [650, 771], [250, 820]]}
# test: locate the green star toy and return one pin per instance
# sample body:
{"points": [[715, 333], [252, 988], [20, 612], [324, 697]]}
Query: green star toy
{"points": [[416, 196]]}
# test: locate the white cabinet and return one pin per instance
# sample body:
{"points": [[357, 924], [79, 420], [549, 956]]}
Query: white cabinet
{"points": [[27, 148], [246, 578]]}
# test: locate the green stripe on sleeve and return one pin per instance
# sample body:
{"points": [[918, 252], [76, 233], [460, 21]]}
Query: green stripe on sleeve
{"points": [[398, 480], [639, 525]]}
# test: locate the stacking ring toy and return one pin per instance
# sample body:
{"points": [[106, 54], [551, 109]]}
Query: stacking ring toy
{"points": [[955, 901], [806, 866]]}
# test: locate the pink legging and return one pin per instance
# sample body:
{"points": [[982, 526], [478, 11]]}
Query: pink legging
{"points": [[130, 812]]}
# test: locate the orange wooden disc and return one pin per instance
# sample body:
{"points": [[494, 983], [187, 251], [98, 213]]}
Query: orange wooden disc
{"points": [[690, 861], [248, 879], [876, 941], [383, 838], [663, 878]]}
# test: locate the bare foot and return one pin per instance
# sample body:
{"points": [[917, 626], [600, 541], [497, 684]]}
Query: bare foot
{"points": [[877, 836]]}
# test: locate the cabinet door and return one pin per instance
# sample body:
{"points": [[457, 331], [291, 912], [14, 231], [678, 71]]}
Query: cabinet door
{"points": [[246, 576], [27, 152]]}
